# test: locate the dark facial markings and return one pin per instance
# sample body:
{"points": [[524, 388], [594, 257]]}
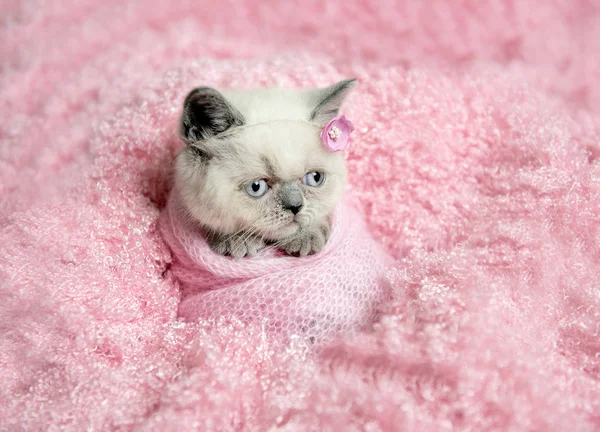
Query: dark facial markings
{"points": [[270, 169]]}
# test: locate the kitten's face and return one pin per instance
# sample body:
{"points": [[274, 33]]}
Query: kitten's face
{"points": [[270, 179], [255, 162]]}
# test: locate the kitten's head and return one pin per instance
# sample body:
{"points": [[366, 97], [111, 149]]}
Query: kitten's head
{"points": [[255, 162]]}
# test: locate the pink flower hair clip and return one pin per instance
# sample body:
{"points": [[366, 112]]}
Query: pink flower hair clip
{"points": [[336, 134]]}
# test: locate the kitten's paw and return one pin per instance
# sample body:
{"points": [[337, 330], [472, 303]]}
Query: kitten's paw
{"points": [[237, 246], [307, 242]]}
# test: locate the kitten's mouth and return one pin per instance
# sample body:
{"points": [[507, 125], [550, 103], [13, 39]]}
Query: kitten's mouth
{"points": [[288, 228], [284, 231]]}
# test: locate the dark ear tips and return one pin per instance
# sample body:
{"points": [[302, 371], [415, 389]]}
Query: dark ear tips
{"points": [[348, 83], [330, 99], [206, 113]]}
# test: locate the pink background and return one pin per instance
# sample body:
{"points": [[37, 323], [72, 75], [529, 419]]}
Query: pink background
{"points": [[475, 157]]}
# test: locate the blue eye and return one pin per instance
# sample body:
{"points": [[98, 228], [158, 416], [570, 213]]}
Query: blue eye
{"points": [[314, 179], [256, 188]]}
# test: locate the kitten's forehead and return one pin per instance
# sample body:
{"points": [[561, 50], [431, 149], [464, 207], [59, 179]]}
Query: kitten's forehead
{"points": [[287, 133], [285, 147], [265, 105]]}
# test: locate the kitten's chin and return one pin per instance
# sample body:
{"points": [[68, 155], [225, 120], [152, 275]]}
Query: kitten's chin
{"points": [[283, 232]]}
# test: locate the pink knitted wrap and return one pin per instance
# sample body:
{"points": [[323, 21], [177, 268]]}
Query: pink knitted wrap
{"points": [[319, 296]]}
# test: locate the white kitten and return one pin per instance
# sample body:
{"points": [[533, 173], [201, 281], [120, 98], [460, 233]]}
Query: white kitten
{"points": [[255, 171]]}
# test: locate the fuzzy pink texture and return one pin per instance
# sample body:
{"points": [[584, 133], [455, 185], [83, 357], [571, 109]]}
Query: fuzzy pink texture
{"points": [[475, 158]]}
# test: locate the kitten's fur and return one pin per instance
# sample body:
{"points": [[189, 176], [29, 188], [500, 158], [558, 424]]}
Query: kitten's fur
{"points": [[236, 137]]}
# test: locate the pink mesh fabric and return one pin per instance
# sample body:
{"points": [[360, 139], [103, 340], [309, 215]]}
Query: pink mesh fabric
{"points": [[316, 297]]}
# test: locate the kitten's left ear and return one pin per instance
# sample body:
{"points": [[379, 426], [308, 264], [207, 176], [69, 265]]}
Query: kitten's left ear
{"points": [[329, 100]]}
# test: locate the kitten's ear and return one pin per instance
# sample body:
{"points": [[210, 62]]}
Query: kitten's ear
{"points": [[206, 113], [328, 101]]}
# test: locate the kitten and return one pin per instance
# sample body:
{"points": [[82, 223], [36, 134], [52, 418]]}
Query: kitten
{"points": [[255, 170]]}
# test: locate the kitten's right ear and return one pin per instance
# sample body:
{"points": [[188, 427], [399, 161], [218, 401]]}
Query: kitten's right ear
{"points": [[328, 101], [207, 113]]}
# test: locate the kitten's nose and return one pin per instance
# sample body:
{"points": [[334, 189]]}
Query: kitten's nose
{"points": [[291, 197], [295, 209]]}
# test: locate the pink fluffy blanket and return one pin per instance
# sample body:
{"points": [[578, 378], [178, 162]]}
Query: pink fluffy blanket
{"points": [[475, 162]]}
